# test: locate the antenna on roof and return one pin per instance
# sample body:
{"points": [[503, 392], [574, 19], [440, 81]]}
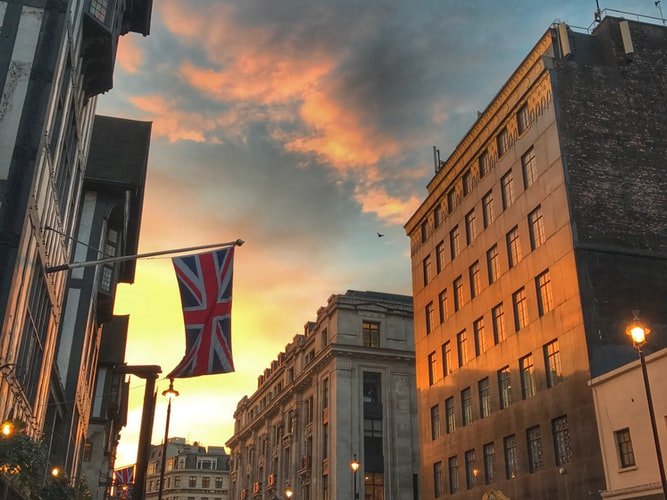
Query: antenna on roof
{"points": [[657, 4], [437, 162], [597, 15]]}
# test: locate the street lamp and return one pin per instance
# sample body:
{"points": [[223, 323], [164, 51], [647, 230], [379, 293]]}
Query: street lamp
{"points": [[354, 464], [638, 331], [171, 392], [289, 491]]}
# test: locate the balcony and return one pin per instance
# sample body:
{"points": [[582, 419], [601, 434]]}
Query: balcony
{"points": [[256, 488], [244, 494], [271, 480], [306, 464]]}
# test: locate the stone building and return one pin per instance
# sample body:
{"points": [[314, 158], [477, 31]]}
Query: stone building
{"points": [[192, 472], [540, 233], [344, 388]]}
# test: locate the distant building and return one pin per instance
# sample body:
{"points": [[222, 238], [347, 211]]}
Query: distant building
{"points": [[345, 387], [540, 233], [193, 472], [624, 428]]}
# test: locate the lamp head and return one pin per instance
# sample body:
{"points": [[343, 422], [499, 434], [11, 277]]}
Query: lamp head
{"points": [[637, 330], [171, 392], [56, 471], [289, 491], [354, 464], [7, 428]]}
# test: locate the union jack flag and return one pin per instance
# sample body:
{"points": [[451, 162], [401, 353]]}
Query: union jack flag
{"points": [[205, 283], [123, 476]]}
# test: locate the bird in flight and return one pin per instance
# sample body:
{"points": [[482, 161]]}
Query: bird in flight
{"points": [[380, 235]]}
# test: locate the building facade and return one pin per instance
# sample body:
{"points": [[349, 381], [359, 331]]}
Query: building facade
{"points": [[624, 428], [343, 389], [192, 472], [539, 234]]}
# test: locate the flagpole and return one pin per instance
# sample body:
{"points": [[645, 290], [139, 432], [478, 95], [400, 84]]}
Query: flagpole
{"points": [[123, 258]]}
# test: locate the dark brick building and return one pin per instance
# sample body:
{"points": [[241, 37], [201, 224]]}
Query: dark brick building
{"points": [[540, 233]]}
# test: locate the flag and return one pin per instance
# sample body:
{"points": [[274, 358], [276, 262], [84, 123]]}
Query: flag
{"points": [[123, 476], [205, 283]]}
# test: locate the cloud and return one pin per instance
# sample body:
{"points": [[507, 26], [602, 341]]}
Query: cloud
{"points": [[130, 54]]}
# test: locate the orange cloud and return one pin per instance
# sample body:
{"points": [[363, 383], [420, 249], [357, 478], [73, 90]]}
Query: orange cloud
{"points": [[172, 123], [130, 55], [376, 200]]}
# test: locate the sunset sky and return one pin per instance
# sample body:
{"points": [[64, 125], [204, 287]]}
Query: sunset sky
{"points": [[302, 127]]}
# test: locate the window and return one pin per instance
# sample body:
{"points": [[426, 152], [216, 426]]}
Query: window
{"points": [[545, 297], [451, 200], [427, 269], [471, 471], [325, 441], [536, 228], [493, 263], [529, 168], [177, 482], [503, 141], [432, 364], [484, 164], [446, 358], [527, 371], [523, 119], [455, 242], [442, 300], [466, 405], [437, 215], [437, 479], [325, 487], [484, 397], [471, 227], [561, 433], [488, 214], [218, 482], [534, 439], [475, 283], [498, 314], [552, 363], [513, 247], [458, 293], [371, 333], [429, 317], [206, 482], [373, 486], [507, 189], [467, 182], [440, 256], [520, 305], [424, 231], [453, 475], [450, 415], [435, 422], [462, 342], [372, 387], [626, 456], [511, 457], [480, 337], [192, 483], [505, 387], [489, 463]]}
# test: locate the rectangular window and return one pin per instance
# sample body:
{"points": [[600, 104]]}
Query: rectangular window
{"points": [[467, 182], [626, 455], [527, 371], [484, 397], [545, 297], [489, 463], [432, 366], [484, 164], [498, 315], [475, 281], [371, 333], [466, 406], [426, 264], [523, 119], [520, 305], [437, 479], [529, 168], [493, 263], [480, 336], [511, 457], [462, 342], [471, 471], [471, 227], [437, 215], [455, 242], [561, 433], [453, 475], [446, 358], [325, 393], [192, 483], [424, 231], [552, 363], [450, 415], [505, 387], [458, 293], [440, 256], [452, 200], [534, 439], [507, 189], [488, 214], [218, 483], [205, 482], [435, 422], [429, 317], [442, 300], [513, 247], [536, 228], [502, 141]]}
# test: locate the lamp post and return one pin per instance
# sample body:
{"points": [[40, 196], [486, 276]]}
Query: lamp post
{"points": [[638, 331], [354, 464], [163, 463]]}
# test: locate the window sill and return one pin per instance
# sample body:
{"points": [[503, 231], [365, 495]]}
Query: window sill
{"points": [[627, 469]]}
